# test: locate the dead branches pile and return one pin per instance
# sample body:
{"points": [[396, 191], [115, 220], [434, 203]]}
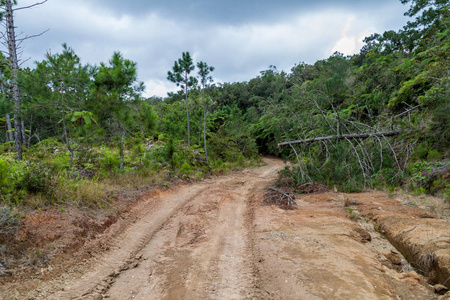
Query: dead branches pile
{"points": [[313, 187], [284, 200]]}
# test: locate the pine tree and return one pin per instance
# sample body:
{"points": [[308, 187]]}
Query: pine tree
{"points": [[180, 75], [203, 71], [113, 86]]}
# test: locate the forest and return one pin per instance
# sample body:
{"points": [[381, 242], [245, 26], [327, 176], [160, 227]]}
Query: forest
{"points": [[73, 132]]}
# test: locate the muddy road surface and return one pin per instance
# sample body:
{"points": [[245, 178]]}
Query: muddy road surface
{"points": [[215, 240]]}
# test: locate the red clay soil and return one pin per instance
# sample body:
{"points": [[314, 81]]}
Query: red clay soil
{"points": [[318, 252], [217, 240]]}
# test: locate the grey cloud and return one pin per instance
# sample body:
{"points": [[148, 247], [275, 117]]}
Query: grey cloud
{"points": [[239, 38], [236, 11]]}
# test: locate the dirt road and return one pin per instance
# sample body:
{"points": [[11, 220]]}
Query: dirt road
{"points": [[214, 240], [191, 243]]}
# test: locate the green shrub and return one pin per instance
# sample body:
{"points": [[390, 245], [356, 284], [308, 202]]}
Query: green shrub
{"points": [[218, 163], [6, 147], [60, 163], [109, 161], [437, 185], [420, 171], [240, 160], [433, 155], [199, 175], [421, 151], [169, 153], [186, 169], [39, 179], [90, 157], [419, 191], [11, 176], [46, 149], [386, 177], [446, 193], [355, 186]]}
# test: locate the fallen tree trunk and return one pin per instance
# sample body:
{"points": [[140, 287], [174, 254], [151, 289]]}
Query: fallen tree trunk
{"points": [[345, 136], [434, 174]]}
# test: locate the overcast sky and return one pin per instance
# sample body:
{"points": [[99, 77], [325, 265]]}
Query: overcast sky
{"points": [[239, 38]]}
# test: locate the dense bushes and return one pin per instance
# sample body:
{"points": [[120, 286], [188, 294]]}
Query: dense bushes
{"points": [[45, 176], [12, 174]]}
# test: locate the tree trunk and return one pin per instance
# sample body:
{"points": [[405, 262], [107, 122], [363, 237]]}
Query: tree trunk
{"points": [[204, 126], [24, 135], [14, 78], [344, 136], [9, 133], [121, 149], [31, 127], [187, 113], [66, 138]]}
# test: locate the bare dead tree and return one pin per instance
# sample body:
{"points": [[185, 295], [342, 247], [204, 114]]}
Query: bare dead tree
{"points": [[9, 131], [11, 40], [14, 64]]}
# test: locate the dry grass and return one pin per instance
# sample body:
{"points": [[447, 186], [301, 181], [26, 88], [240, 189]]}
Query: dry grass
{"points": [[427, 261], [35, 201], [9, 221], [85, 193], [433, 204], [98, 193], [135, 179]]}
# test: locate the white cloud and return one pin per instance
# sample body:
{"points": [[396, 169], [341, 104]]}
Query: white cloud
{"points": [[154, 87], [348, 43]]}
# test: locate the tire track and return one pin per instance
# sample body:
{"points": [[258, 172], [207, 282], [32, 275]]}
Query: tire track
{"points": [[122, 255]]}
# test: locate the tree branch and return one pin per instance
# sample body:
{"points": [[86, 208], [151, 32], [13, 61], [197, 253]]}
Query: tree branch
{"points": [[30, 6], [32, 36]]}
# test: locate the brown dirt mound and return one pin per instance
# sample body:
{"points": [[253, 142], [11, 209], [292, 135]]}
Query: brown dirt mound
{"points": [[423, 239]]}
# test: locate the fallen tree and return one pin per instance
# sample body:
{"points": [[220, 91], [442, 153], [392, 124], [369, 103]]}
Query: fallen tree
{"points": [[344, 137]]}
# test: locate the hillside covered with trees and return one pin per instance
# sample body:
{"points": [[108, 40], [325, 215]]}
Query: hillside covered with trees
{"points": [[377, 119]]}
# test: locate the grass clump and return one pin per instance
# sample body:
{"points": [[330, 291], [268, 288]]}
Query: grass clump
{"points": [[9, 220]]}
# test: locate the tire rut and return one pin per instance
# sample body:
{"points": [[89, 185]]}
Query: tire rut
{"points": [[122, 255]]}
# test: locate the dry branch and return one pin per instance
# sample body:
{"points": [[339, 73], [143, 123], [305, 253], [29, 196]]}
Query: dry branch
{"points": [[345, 137], [282, 199], [30, 6]]}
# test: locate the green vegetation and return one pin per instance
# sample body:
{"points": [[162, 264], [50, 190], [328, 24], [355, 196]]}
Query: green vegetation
{"points": [[88, 128]]}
